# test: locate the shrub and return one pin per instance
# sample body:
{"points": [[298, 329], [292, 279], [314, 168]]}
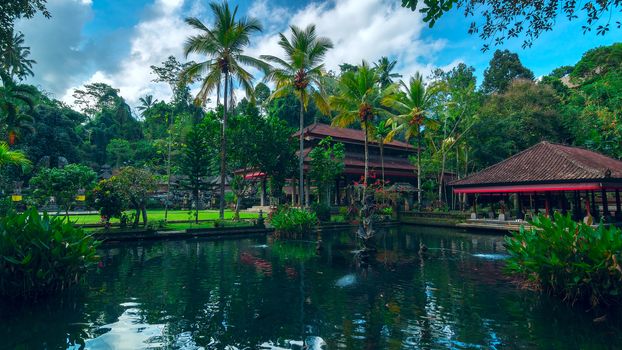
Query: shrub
{"points": [[569, 259], [292, 220], [322, 211], [41, 254]]}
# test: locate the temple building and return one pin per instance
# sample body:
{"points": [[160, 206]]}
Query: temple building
{"points": [[548, 177]]}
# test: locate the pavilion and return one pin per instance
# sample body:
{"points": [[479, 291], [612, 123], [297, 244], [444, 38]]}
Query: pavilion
{"points": [[550, 177]]}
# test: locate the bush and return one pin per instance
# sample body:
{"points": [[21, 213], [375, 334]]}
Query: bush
{"points": [[6, 206], [322, 211], [569, 259], [291, 220], [41, 254]]}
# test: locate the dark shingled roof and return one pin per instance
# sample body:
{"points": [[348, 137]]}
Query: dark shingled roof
{"points": [[347, 135], [547, 162]]}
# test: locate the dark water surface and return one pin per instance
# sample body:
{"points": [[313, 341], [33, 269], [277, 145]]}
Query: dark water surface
{"points": [[271, 293]]}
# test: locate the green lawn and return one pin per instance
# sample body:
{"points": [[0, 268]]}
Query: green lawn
{"points": [[173, 215]]}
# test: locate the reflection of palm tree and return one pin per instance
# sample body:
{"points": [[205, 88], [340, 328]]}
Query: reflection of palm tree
{"points": [[301, 73], [359, 99], [412, 105], [223, 44], [12, 100], [15, 59]]}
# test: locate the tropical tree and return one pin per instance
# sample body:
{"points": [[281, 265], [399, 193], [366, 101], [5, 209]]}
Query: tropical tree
{"points": [[385, 68], [301, 73], [381, 133], [146, 103], [63, 184], [14, 58], [412, 104], [359, 99], [326, 165], [8, 157], [13, 99], [223, 44]]}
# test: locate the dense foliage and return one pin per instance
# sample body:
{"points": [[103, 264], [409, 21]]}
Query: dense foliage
{"points": [[292, 220], [41, 255], [569, 259]]}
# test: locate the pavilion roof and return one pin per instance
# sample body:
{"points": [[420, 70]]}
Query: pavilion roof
{"points": [[547, 162], [319, 130]]}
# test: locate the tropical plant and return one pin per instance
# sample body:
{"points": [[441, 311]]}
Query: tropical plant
{"points": [[385, 67], [381, 133], [42, 255], [8, 157], [321, 210], [301, 73], [570, 259], [223, 44], [327, 163], [359, 99], [13, 99], [293, 220], [63, 184], [14, 58], [241, 188], [412, 106], [136, 185], [146, 103], [109, 199]]}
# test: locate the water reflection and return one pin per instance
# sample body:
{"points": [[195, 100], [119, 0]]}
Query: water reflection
{"points": [[279, 293]]}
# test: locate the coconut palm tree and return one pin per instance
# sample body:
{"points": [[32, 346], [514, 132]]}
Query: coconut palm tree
{"points": [[14, 58], [301, 74], [15, 118], [412, 104], [146, 103], [8, 157], [381, 132], [385, 68], [223, 44], [359, 98]]}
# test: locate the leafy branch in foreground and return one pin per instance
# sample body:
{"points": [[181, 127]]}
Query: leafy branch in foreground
{"points": [[505, 19]]}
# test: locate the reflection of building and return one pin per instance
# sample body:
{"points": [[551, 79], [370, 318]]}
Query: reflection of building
{"points": [[397, 167], [549, 177]]}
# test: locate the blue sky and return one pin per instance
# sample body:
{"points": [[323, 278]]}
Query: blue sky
{"points": [[115, 41]]}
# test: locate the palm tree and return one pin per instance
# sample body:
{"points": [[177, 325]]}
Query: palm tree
{"points": [[412, 105], [146, 103], [12, 98], [381, 132], [359, 98], [301, 73], [384, 67], [8, 157], [223, 44], [14, 58]]}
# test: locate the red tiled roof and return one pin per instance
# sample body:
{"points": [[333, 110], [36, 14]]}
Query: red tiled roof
{"points": [[547, 162], [347, 135]]}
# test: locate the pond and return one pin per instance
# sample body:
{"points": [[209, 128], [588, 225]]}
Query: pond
{"points": [[272, 293]]}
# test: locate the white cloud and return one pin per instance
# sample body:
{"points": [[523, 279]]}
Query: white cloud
{"points": [[362, 29], [152, 41]]}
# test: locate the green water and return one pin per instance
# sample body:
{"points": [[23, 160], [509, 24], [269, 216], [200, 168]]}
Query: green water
{"points": [[274, 294]]}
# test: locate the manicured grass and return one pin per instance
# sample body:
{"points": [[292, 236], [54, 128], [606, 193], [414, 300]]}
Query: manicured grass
{"points": [[173, 215]]}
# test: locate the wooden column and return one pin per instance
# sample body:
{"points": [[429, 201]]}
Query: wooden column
{"points": [[593, 204], [263, 192], [603, 194], [618, 212], [337, 192], [576, 208], [547, 204]]}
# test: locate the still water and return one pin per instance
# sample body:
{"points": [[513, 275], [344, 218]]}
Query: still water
{"points": [[267, 293]]}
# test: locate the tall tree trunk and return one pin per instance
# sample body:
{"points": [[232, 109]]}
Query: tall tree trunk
{"points": [[223, 151], [442, 177], [366, 159], [419, 166], [382, 167], [144, 211], [302, 157], [196, 204], [168, 173]]}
